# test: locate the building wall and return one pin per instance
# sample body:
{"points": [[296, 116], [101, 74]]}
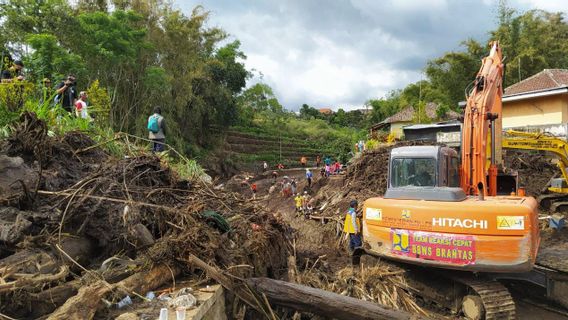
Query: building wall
{"points": [[536, 112], [396, 128]]}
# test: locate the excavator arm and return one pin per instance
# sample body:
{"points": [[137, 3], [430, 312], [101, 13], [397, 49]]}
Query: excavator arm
{"points": [[478, 142], [541, 142]]}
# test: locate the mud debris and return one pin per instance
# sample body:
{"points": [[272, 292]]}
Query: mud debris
{"points": [[94, 218]]}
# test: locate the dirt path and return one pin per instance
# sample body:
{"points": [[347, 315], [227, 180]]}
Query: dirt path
{"points": [[313, 239]]}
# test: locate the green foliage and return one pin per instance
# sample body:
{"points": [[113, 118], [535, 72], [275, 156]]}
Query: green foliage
{"points": [[420, 115], [307, 112], [372, 144], [50, 60], [532, 41], [99, 104], [441, 111], [385, 107], [14, 94], [453, 72]]}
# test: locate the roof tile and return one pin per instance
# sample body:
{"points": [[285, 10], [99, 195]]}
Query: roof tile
{"points": [[547, 79], [407, 114]]}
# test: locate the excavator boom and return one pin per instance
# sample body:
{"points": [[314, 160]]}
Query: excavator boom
{"points": [[482, 109]]}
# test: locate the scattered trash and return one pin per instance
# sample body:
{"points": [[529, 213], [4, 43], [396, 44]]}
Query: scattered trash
{"points": [[183, 301], [164, 314], [183, 291], [164, 297], [150, 295], [124, 302], [180, 314]]}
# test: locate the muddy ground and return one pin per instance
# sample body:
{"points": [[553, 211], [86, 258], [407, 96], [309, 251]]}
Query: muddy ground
{"points": [[366, 177], [79, 227]]}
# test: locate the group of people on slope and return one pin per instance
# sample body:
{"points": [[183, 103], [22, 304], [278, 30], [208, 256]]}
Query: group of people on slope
{"points": [[64, 94]]}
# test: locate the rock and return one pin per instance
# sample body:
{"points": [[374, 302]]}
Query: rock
{"points": [[12, 232], [12, 171], [127, 316]]}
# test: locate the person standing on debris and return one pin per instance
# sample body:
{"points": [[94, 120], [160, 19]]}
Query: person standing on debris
{"points": [[14, 72], [309, 176], [274, 176], [305, 200], [294, 185], [272, 189], [66, 93], [253, 189], [351, 226], [81, 106], [264, 166], [298, 202], [303, 161], [318, 161], [157, 130], [287, 189]]}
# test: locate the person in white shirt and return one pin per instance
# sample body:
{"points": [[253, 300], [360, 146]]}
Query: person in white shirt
{"points": [[81, 106]]}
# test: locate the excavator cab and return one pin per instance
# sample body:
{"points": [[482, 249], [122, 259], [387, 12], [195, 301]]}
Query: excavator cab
{"points": [[425, 218], [424, 172]]}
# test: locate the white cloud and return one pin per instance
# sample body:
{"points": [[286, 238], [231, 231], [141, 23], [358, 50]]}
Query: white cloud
{"points": [[548, 5], [343, 52]]}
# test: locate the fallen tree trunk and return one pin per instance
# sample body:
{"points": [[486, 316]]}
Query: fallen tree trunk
{"points": [[85, 304], [303, 298], [321, 302]]}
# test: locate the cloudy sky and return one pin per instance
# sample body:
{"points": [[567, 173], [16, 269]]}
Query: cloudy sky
{"points": [[340, 53]]}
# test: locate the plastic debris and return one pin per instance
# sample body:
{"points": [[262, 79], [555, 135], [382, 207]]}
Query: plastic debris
{"points": [[150, 295], [124, 302], [185, 301]]}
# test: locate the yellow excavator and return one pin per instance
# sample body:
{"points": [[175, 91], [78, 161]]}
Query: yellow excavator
{"points": [[557, 199]]}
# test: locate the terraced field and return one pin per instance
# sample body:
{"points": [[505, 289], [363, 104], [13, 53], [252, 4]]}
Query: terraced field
{"points": [[250, 149]]}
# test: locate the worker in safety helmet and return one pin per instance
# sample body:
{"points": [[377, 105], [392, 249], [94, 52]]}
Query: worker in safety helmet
{"points": [[351, 226]]}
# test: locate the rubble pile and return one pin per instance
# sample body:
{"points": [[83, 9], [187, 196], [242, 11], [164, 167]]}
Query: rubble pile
{"points": [[535, 170], [365, 177], [77, 224]]}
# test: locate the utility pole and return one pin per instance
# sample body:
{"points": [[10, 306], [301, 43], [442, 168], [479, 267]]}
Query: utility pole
{"points": [[419, 98]]}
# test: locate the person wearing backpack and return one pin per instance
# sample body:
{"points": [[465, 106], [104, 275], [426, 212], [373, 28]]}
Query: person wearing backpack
{"points": [[157, 130]]}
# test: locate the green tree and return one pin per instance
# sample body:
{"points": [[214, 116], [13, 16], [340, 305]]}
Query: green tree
{"points": [[385, 107], [307, 112], [533, 41], [50, 60], [339, 118], [452, 73]]}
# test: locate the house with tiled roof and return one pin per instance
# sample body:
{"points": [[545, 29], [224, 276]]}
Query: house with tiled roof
{"points": [[407, 116], [326, 111], [538, 102]]}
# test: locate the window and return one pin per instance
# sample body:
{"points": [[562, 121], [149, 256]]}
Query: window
{"points": [[413, 172], [453, 173]]}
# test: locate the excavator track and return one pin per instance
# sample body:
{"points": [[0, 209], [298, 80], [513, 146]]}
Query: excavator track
{"points": [[497, 300]]}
